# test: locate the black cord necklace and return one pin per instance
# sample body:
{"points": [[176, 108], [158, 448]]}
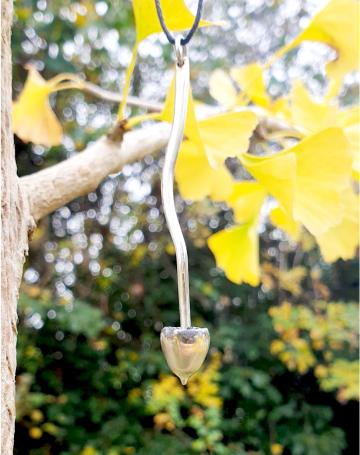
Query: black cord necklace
{"points": [[186, 39]]}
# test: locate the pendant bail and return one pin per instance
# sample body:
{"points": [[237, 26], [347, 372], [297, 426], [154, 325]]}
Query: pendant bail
{"points": [[180, 51]]}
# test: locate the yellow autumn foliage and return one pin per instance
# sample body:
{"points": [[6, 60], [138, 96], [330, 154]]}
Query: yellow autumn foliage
{"points": [[200, 169], [246, 85], [147, 22], [35, 432], [33, 118], [196, 178], [304, 179], [313, 336], [310, 177], [280, 219], [203, 387], [291, 279], [166, 390], [201, 393], [335, 25], [246, 200], [276, 449], [236, 251], [222, 89], [164, 420], [310, 116], [89, 450], [343, 376], [220, 136], [342, 240], [251, 81]]}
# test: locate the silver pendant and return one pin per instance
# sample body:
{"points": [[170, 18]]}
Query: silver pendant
{"points": [[184, 347]]}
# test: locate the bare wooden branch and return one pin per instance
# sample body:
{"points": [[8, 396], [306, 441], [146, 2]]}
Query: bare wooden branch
{"points": [[114, 97], [267, 124], [57, 185]]}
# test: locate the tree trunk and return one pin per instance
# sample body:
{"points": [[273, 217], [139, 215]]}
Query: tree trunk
{"points": [[14, 227]]}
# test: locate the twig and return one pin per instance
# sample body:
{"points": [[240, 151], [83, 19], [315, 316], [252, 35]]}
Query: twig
{"points": [[114, 97], [267, 125]]}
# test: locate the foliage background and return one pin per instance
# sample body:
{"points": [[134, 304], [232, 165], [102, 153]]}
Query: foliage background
{"points": [[99, 282]]}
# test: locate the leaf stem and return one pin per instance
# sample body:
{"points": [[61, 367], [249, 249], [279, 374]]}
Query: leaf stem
{"points": [[129, 72]]}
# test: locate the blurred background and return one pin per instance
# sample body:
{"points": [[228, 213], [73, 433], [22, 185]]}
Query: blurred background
{"points": [[99, 283]]}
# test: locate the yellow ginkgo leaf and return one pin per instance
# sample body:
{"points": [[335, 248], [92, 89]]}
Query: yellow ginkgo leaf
{"points": [[195, 177], [251, 81], [308, 179], [309, 116], [236, 251], [323, 172], [282, 220], [176, 16], [342, 240], [291, 279], [147, 23], [246, 200], [280, 108], [191, 130], [200, 169], [33, 119], [220, 136], [337, 26], [222, 88], [227, 135], [349, 120], [277, 173]]}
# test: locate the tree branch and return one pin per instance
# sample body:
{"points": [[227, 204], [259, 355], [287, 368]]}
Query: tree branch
{"points": [[57, 185], [267, 124], [114, 97]]}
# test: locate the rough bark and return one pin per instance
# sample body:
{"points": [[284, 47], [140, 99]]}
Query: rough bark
{"points": [[14, 227], [55, 186]]}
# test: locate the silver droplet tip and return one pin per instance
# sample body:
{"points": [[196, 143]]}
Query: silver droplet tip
{"points": [[185, 349]]}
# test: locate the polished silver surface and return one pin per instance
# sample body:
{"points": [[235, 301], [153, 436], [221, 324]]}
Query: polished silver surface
{"points": [[184, 349], [167, 182]]}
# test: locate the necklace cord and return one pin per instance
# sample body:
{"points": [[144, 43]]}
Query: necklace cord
{"points": [[186, 39]]}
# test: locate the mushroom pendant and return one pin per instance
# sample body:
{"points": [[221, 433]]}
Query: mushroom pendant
{"points": [[184, 347]]}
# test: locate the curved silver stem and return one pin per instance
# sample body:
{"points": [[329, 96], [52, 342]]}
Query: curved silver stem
{"points": [[167, 183]]}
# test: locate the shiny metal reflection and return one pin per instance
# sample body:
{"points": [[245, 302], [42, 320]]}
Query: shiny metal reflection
{"points": [[182, 87], [185, 349]]}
